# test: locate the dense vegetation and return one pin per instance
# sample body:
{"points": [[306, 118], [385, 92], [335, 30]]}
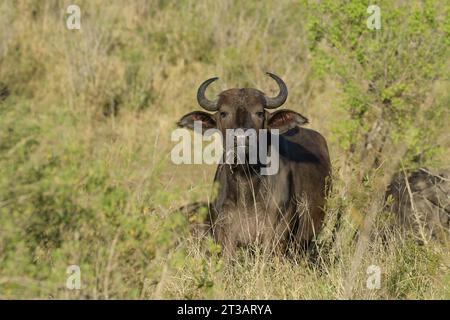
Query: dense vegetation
{"points": [[85, 122]]}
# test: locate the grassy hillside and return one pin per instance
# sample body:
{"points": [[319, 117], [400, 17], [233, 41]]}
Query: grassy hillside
{"points": [[85, 120]]}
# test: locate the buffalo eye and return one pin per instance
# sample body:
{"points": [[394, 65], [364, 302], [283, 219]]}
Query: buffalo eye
{"points": [[223, 114], [260, 114]]}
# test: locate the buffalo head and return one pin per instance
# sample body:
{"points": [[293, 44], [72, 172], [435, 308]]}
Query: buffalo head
{"points": [[243, 108]]}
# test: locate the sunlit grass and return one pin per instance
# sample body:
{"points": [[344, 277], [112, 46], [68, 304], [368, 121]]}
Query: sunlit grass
{"points": [[85, 170]]}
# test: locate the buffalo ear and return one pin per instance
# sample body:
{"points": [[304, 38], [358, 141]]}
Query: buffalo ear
{"points": [[206, 119], [284, 120]]}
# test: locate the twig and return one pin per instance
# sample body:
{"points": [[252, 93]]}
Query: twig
{"points": [[434, 175], [413, 207]]}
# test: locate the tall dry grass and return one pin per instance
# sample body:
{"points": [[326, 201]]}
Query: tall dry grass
{"points": [[86, 176]]}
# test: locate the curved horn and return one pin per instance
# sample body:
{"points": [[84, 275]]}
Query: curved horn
{"points": [[277, 101], [202, 100]]}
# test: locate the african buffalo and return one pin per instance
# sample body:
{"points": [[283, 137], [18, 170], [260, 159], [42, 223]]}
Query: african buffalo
{"points": [[281, 212]]}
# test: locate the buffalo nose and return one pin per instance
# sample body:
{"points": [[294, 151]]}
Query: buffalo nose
{"points": [[243, 136], [242, 132]]}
